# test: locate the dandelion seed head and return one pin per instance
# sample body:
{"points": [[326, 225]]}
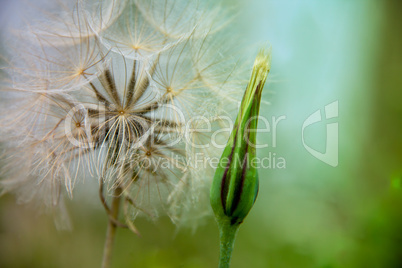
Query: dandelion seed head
{"points": [[125, 92]]}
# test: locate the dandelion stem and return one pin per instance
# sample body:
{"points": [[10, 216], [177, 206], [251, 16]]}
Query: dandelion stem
{"points": [[111, 228], [227, 238]]}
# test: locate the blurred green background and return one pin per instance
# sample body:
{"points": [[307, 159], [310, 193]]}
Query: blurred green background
{"points": [[308, 214]]}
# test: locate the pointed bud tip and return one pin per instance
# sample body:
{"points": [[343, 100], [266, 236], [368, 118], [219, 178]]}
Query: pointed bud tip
{"points": [[261, 68], [262, 65], [263, 60]]}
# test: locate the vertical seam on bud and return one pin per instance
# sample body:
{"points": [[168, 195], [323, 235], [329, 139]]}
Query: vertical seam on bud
{"points": [[240, 184], [224, 185]]}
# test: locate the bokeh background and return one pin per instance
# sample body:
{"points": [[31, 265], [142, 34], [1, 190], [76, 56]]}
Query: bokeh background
{"points": [[308, 214]]}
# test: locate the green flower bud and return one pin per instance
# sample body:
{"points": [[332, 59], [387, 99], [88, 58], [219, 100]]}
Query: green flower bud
{"points": [[235, 185]]}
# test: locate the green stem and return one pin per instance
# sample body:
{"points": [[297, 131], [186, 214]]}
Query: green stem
{"points": [[227, 238], [111, 228]]}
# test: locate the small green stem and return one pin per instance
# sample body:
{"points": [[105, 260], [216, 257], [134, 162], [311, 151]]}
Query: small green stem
{"points": [[111, 228], [227, 238]]}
